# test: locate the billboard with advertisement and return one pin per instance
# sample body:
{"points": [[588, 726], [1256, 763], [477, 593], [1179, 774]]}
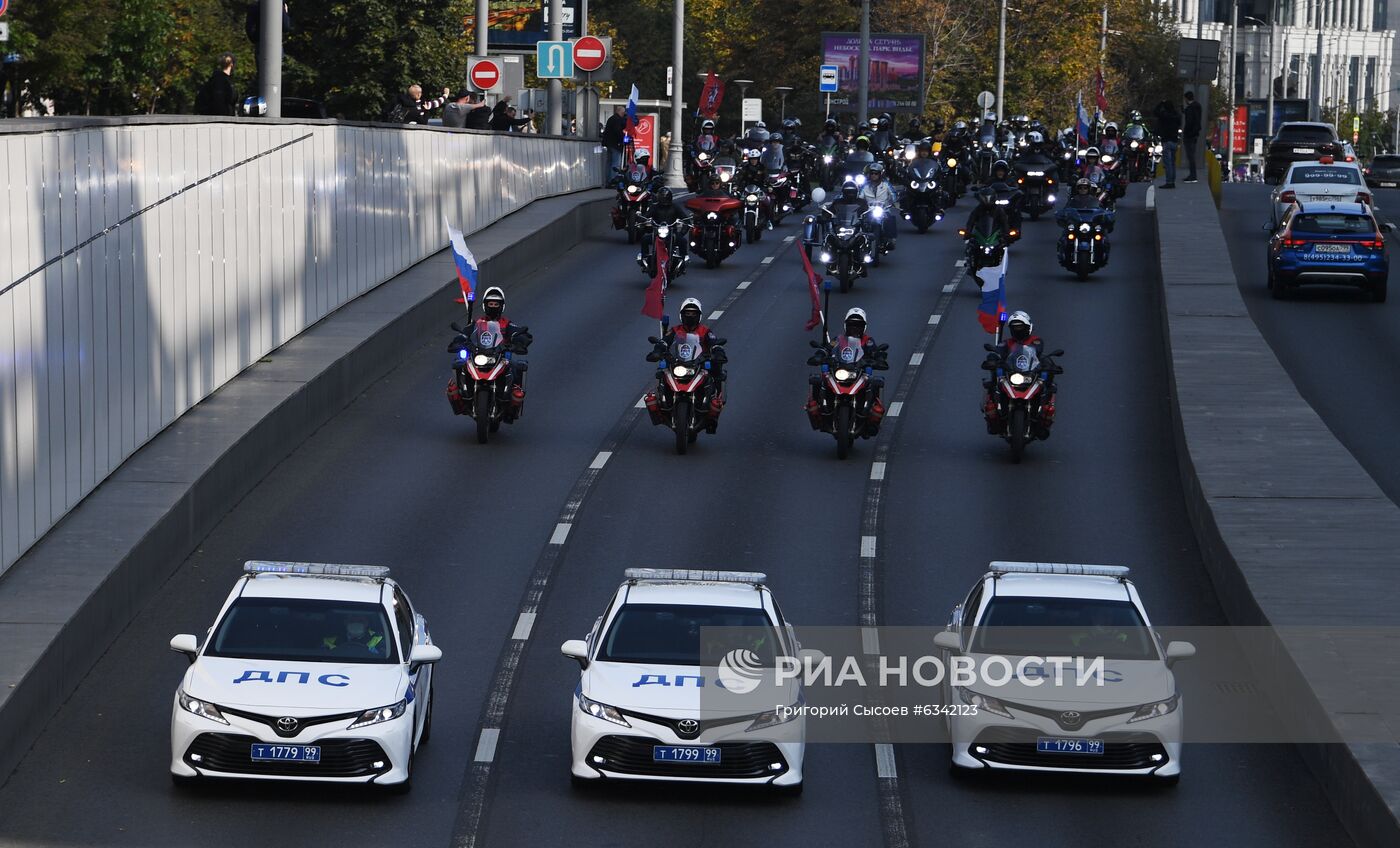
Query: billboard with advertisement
{"points": [[1285, 109], [896, 70], [519, 24], [645, 136], [1240, 134]]}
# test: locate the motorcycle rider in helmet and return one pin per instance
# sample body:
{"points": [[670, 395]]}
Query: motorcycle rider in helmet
{"points": [[691, 325], [986, 209], [493, 305], [774, 158], [1019, 333], [1005, 187], [663, 211], [854, 335], [877, 192]]}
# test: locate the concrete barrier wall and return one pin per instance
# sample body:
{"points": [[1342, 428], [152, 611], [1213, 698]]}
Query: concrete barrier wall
{"points": [[144, 264]]}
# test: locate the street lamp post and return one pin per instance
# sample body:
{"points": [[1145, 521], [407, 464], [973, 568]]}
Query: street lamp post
{"points": [[863, 75], [554, 118], [743, 95], [783, 92], [1001, 60], [270, 56], [675, 175], [1230, 116]]}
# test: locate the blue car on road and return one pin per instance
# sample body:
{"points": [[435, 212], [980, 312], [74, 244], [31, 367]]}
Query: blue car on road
{"points": [[1333, 243]]}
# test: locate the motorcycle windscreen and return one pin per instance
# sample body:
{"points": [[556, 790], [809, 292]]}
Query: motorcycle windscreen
{"points": [[486, 335], [706, 143], [848, 350], [845, 214], [686, 347], [923, 169], [1023, 358]]}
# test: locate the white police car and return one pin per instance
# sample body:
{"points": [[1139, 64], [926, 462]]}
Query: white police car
{"points": [[1124, 717], [312, 672], [665, 693]]}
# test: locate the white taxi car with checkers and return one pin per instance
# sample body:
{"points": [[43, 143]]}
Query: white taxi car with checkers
{"points": [[311, 672], [660, 699], [1123, 719], [1324, 179]]}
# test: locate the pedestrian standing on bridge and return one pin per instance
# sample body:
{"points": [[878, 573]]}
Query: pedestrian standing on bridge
{"points": [[479, 118], [1191, 132], [1168, 127], [455, 113], [411, 108], [217, 97], [614, 137]]}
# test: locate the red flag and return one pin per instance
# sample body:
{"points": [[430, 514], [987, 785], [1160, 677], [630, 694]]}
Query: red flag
{"points": [[655, 305], [711, 96], [1099, 91], [813, 282]]}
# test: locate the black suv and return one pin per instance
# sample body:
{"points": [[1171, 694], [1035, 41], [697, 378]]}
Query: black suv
{"points": [[1383, 172], [1299, 141]]}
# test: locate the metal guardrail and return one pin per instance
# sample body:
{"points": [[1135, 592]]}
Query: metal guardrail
{"points": [[145, 262]]}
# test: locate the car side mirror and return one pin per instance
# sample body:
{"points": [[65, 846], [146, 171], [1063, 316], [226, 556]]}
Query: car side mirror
{"points": [[577, 650], [1179, 651], [423, 655], [186, 644], [948, 641]]}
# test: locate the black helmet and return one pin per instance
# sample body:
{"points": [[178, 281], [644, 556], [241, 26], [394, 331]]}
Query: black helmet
{"points": [[849, 192], [775, 138], [1083, 186], [493, 303], [1019, 326], [1000, 169], [924, 147], [938, 125], [664, 196], [830, 125]]}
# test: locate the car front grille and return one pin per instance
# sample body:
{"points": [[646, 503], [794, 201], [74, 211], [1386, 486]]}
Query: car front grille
{"points": [[232, 753], [739, 760], [1016, 747]]}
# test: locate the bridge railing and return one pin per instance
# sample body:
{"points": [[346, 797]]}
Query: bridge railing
{"points": [[144, 263]]}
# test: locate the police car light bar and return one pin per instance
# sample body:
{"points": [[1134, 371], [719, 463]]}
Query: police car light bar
{"points": [[315, 569], [757, 578], [1119, 571]]}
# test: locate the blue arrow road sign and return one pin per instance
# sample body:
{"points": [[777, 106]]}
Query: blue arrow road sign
{"points": [[829, 79], [554, 59]]}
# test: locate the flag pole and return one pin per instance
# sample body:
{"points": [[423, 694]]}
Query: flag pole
{"points": [[826, 308]]}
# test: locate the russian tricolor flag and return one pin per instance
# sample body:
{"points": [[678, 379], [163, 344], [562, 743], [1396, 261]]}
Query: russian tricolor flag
{"points": [[466, 263], [992, 310], [1082, 118], [632, 110]]}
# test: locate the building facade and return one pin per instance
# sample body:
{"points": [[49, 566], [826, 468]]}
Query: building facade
{"points": [[1355, 40]]}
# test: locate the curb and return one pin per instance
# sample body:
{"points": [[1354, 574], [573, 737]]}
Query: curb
{"points": [[63, 601], [1251, 555]]}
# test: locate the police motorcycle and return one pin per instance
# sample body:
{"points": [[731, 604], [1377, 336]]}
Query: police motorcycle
{"points": [[845, 394], [633, 195], [689, 395], [488, 381], [1021, 403]]}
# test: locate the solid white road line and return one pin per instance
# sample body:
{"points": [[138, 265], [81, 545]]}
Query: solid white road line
{"points": [[486, 745], [561, 532], [600, 460], [523, 625]]}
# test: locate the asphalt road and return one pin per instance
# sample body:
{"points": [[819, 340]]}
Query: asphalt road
{"points": [[397, 480], [1332, 340]]}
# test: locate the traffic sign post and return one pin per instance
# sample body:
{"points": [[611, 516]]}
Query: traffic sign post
{"points": [[484, 75], [828, 81], [554, 60], [4, 7], [591, 53], [4, 31]]}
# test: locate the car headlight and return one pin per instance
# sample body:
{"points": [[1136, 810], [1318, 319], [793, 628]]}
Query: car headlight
{"points": [[842, 375], [713, 216], [952, 163], [1084, 228], [379, 715], [481, 360], [681, 371], [663, 231], [203, 709], [753, 198], [603, 711], [1156, 710], [773, 718], [1018, 379], [983, 702]]}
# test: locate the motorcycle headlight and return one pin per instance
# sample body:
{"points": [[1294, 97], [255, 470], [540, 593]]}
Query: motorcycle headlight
{"points": [[1003, 202], [877, 212], [1156, 710], [1084, 228], [753, 198], [724, 177], [379, 715], [680, 371], [914, 184], [826, 160], [983, 702], [860, 179], [842, 375], [203, 709], [1049, 198], [603, 711], [631, 189], [952, 163], [1018, 379], [481, 360], [1035, 173], [713, 216], [1107, 160], [1133, 145], [909, 154], [1083, 151], [845, 232], [663, 231], [703, 157], [825, 257]]}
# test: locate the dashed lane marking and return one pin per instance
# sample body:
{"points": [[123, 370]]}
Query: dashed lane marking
{"points": [[600, 460], [561, 533], [916, 360], [523, 625], [486, 745], [716, 315], [895, 408], [877, 471], [745, 284], [935, 318]]}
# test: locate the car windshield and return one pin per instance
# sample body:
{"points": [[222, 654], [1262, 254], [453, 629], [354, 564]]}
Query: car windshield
{"points": [[1322, 174], [1309, 135], [669, 634], [304, 630], [1333, 224], [1385, 162], [1063, 627]]}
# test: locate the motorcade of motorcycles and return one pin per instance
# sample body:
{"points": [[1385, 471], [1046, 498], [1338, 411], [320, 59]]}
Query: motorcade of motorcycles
{"points": [[845, 393], [487, 380]]}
